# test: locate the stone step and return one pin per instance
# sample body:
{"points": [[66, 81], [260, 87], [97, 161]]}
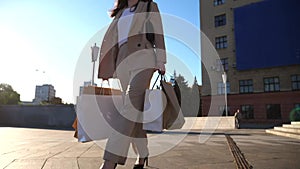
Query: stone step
{"points": [[297, 123], [285, 134], [291, 126], [288, 129]]}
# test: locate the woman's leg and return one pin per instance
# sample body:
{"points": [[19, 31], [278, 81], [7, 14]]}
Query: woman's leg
{"points": [[140, 143], [118, 144], [138, 87]]}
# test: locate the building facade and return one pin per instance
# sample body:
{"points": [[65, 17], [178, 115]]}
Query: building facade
{"points": [[259, 49], [45, 92]]}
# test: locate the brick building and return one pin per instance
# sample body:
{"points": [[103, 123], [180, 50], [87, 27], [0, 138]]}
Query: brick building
{"points": [[259, 49]]}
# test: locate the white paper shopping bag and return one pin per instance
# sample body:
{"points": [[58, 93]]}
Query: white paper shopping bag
{"points": [[154, 106], [97, 116]]}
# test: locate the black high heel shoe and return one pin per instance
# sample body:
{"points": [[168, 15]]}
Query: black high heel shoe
{"points": [[115, 166], [141, 166]]}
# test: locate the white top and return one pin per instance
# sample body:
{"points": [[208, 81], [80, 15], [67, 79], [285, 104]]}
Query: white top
{"points": [[124, 25]]}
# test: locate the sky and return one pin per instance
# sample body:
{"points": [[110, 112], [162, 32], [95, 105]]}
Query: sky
{"points": [[41, 41]]}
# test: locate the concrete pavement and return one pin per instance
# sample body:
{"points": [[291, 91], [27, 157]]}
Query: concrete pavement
{"points": [[23, 148]]}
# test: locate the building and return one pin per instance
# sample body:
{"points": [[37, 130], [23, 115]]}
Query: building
{"points": [[43, 93], [259, 49]]}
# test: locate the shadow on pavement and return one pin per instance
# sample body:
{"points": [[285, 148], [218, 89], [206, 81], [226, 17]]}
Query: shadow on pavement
{"points": [[197, 133]]}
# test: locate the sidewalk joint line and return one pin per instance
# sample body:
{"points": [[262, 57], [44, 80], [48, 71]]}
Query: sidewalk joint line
{"points": [[55, 155], [82, 154], [10, 163]]}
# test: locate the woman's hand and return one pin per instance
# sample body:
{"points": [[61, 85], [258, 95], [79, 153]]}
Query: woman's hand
{"points": [[161, 68]]}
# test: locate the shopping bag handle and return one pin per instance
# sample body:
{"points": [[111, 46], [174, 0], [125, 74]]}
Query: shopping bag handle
{"points": [[155, 82], [101, 87], [162, 78], [102, 92]]}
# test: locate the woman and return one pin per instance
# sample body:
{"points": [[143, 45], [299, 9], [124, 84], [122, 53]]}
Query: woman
{"points": [[127, 54]]}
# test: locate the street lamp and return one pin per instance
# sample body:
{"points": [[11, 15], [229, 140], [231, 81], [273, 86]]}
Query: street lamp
{"points": [[224, 77], [95, 53]]}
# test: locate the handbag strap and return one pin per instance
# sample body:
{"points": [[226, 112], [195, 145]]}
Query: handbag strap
{"points": [[148, 7]]}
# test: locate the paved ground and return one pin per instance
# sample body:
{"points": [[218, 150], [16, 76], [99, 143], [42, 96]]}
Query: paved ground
{"points": [[47, 149]]}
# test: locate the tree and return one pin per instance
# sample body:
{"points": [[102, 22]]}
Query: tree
{"points": [[190, 96], [195, 99], [185, 94], [183, 84], [7, 95]]}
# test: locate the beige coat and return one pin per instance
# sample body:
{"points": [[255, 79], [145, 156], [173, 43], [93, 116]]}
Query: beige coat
{"points": [[141, 53]]}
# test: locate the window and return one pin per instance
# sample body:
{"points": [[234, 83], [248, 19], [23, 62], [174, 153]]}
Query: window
{"points": [[221, 42], [295, 82], [225, 63], [246, 86], [273, 111], [220, 20], [221, 88], [271, 84], [222, 63], [218, 2], [247, 112]]}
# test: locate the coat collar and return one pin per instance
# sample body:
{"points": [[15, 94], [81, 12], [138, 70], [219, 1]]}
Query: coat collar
{"points": [[139, 9]]}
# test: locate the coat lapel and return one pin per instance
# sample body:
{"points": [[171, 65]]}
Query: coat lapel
{"points": [[114, 27], [137, 15], [119, 14]]}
